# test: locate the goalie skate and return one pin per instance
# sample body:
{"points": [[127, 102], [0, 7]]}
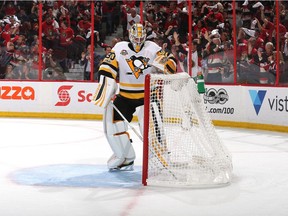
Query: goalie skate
{"points": [[123, 167]]}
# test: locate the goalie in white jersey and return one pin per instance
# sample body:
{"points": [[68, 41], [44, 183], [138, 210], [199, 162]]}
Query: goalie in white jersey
{"points": [[131, 62]]}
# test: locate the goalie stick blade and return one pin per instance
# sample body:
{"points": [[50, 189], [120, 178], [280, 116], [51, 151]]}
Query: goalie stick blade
{"points": [[123, 167]]}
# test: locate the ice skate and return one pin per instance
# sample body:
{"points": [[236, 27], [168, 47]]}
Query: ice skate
{"points": [[126, 166]]}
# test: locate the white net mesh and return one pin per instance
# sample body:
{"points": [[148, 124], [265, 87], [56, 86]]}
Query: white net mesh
{"points": [[184, 148]]}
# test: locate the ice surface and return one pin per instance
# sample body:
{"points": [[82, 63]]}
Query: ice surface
{"points": [[54, 167]]}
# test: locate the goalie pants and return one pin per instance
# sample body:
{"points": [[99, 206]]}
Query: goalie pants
{"points": [[126, 106]]}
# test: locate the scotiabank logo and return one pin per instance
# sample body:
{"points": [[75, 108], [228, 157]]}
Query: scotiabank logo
{"points": [[64, 96], [17, 93], [83, 96]]}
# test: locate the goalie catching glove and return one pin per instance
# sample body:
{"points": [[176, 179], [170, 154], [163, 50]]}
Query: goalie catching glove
{"points": [[165, 62]]}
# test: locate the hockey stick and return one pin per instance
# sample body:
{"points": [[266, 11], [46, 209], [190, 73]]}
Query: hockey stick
{"points": [[128, 123], [160, 159]]}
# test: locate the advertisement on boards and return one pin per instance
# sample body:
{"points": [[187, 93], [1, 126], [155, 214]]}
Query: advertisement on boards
{"points": [[261, 105], [223, 102], [63, 97], [267, 105]]}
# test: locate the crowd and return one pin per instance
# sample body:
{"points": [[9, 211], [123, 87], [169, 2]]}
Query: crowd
{"points": [[66, 37], [66, 33], [213, 38]]}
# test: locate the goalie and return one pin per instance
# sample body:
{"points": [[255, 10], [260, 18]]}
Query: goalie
{"points": [[131, 61]]}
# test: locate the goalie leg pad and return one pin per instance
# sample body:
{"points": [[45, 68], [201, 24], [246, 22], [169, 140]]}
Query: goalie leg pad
{"points": [[119, 140]]}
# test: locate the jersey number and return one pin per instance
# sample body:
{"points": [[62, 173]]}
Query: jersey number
{"points": [[111, 56]]}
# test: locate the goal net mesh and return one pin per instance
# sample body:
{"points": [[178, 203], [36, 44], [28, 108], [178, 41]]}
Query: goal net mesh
{"points": [[183, 146]]}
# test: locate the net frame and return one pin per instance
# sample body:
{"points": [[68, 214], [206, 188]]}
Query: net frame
{"points": [[202, 162]]}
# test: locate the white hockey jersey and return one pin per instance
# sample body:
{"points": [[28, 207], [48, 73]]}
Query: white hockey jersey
{"points": [[131, 67]]}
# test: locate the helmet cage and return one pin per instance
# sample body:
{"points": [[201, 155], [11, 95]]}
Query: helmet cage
{"points": [[137, 36]]}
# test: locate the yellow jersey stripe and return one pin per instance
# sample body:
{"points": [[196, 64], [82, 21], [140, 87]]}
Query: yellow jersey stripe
{"points": [[131, 84]]}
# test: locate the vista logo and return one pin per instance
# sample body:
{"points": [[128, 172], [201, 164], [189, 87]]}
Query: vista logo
{"points": [[257, 98]]}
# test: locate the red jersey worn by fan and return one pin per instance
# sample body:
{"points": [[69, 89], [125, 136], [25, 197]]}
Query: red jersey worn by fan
{"points": [[66, 34], [50, 28]]}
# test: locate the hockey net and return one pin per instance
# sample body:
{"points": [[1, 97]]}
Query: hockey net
{"points": [[181, 146]]}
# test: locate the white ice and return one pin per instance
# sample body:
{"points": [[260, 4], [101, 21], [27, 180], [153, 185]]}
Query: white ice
{"points": [[54, 167]]}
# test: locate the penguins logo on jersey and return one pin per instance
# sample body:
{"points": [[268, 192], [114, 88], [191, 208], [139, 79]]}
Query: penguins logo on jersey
{"points": [[137, 65]]}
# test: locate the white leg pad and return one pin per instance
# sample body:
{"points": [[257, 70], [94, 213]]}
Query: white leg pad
{"points": [[123, 151], [119, 140]]}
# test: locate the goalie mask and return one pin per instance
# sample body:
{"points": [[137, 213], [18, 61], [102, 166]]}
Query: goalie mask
{"points": [[137, 36]]}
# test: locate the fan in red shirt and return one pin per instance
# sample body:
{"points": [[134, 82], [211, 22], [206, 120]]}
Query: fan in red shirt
{"points": [[271, 28], [66, 34], [50, 29], [84, 25], [11, 30], [10, 9], [66, 41]]}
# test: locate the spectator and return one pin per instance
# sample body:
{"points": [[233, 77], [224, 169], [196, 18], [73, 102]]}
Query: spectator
{"points": [[83, 26], [53, 74], [97, 40], [196, 59], [34, 57], [27, 74], [66, 43], [114, 41], [55, 10], [50, 29], [108, 10], [246, 70], [98, 16], [132, 18], [261, 61], [179, 58], [10, 9], [11, 29], [107, 50], [180, 53], [272, 69], [10, 73], [86, 62], [6, 58], [217, 62], [53, 70], [64, 15]]}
